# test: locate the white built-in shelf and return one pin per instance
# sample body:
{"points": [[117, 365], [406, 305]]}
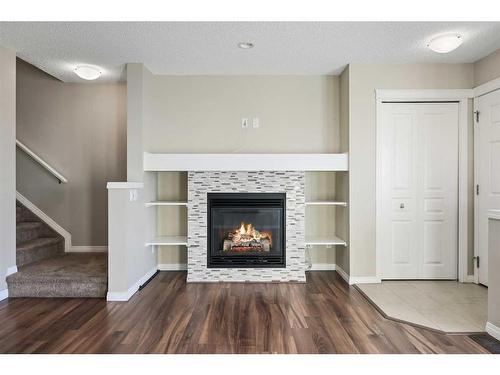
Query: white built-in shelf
{"points": [[245, 162], [166, 203], [326, 203], [168, 240], [325, 240]]}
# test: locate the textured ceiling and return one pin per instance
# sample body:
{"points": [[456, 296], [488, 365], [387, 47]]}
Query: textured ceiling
{"points": [[211, 47]]}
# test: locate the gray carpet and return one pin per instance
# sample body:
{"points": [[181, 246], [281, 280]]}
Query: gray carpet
{"points": [[67, 275], [35, 240]]}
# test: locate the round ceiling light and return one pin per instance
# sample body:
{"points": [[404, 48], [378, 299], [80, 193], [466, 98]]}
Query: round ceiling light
{"points": [[88, 72], [445, 43], [245, 45]]}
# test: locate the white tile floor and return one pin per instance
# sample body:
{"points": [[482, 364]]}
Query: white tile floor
{"points": [[448, 306]]}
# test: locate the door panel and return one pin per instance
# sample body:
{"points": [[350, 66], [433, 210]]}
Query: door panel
{"points": [[400, 258], [418, 221], [487, 132], [439, 144]]}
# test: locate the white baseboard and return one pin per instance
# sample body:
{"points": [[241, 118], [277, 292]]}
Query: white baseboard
{"points": [[172, 267], [4, 294], [46, 219], [125, 296], [87, 249], [468, 279], [342, 274], [11, 270], [365, 280], [493, 330], [323, 267]]}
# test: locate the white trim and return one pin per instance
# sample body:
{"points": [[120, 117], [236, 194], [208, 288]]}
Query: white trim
{"points": [[165, 203], [88, 249], [245, 162], [476, 197], [4, 294], [125, 185], [342, 274], [461, 96], [40, 161], [493, 214], [125, 296], [493, 330], [425, 94], [468, 279], [364, 280], [172, 267], [46, 219], [487, 87], [463, 187], [168, 241], [10, 271], [323, 267]]}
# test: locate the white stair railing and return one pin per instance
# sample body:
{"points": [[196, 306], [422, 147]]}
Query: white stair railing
{"points": [[40, 161]]}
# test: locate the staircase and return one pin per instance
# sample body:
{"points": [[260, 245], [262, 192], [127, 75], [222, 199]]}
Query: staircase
{"points": [[45, 270]]}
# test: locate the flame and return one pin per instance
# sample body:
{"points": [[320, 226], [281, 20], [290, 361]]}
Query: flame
{"points": [[247, 233]]}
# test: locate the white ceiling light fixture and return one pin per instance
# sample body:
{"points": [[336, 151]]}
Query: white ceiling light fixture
{"points": [[245, 45], [445, 43], [88, 72]]}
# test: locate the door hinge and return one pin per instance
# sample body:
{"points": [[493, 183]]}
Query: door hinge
{"points": [[476, 258], [477, 189], [477, 115]]}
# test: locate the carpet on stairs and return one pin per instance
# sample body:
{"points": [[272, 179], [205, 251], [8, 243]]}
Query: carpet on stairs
{"points": [[66, 275]]}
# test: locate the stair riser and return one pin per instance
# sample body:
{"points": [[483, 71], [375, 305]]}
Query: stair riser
{"points": [[32, 255], [23, 214], [58, 289], [24, 234]]}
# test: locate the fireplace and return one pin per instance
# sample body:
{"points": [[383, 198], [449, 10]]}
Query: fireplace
{"points": [[246, 230]]}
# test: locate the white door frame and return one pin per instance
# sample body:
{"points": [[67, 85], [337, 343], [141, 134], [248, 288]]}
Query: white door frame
{"points": [[478, 91], [462, 98]]}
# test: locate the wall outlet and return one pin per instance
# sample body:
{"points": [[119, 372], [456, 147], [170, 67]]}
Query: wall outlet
{"points": [[132, 195], [244, 123], [255, 122]]}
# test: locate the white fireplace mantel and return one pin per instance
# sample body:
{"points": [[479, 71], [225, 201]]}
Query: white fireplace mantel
{"points": [[245, 162]]}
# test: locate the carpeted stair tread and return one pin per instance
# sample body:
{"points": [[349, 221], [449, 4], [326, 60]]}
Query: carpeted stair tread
{"points": [[38, 242], [67, 275], [29, 230], [37, 249], [25, 225]]}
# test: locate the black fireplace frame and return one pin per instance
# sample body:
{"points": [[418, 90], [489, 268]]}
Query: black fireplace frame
{"points": [[250, 261]]}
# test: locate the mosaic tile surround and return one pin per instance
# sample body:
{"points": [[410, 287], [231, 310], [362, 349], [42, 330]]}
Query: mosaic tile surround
{"points": [[290, 182]]}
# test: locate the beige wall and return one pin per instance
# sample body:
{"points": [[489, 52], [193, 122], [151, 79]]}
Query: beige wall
{"points": [[7, 163], [79, 129], [487, 68], [363, 80], [342, 180], [203, 113]]}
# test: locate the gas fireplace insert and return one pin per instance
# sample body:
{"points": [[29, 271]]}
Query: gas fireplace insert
{"points": [[246, 230]]}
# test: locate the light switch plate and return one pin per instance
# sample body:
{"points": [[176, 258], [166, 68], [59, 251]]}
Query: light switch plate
{"points": [[255, 123], [244, 123]]}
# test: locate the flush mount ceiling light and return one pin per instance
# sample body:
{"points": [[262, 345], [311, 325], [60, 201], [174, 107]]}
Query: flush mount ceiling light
{"points": [[445, 43], [88, 72], [245, 45]]}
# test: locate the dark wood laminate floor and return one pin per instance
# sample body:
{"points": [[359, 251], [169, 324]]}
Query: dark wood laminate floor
{"points": [[169, 316]]}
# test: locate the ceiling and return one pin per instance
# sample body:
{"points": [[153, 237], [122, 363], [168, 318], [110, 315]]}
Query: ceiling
{"points": [[211, 47]]}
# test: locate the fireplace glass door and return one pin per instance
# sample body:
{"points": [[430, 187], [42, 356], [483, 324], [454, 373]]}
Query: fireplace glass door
{"points": [[246, 230]]}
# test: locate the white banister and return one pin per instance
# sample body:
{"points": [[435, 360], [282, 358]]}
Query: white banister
{"points": [[40, 161]]}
